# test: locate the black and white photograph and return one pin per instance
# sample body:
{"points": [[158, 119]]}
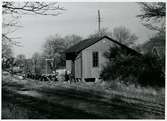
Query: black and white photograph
{"points": [[83, 60]]}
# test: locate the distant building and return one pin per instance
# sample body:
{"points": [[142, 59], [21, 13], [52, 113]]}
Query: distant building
{"points": [[154, 46], [157, 48], [85, 60]]}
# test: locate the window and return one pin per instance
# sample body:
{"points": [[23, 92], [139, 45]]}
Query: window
{"points": [[95, 59]]}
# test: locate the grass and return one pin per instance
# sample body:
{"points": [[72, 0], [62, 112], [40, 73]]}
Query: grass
{"points": [[15, 111], [101, 87], [22, 106], [110, 88], [112, 91], [104, 88], [12, 111]]}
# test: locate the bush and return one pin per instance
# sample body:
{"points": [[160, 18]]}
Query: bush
{"points": [[145, 70]]}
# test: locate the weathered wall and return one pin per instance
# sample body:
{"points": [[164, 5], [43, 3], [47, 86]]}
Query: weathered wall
{"points": [[68, 65], [78, 67], [88, 71]]}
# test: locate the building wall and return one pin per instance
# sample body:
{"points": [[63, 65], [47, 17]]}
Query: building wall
{"points": [[78, 62], [88, 71], [77, 66], [68, 65]]}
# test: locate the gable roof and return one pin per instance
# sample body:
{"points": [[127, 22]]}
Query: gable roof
{"points": [[82, 45], [88, 42], [158, 44]]}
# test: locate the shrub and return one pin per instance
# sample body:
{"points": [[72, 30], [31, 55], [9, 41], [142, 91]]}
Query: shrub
{"points": [[145, 70], [150, 71]]}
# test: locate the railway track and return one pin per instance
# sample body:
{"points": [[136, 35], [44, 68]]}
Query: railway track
{"points": [[46, 108], [116, 100], [90, 105]]}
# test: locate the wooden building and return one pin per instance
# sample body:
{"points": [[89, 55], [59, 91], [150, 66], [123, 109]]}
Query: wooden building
{"points": [[85, 60]]}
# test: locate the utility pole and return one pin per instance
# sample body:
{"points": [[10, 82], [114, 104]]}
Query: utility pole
{"points": [[99, 20]]}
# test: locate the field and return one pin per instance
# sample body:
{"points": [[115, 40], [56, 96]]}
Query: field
{"points": [[28, 99]]}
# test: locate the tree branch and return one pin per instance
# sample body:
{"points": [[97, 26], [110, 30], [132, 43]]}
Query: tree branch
{"points": [[32, 7]]}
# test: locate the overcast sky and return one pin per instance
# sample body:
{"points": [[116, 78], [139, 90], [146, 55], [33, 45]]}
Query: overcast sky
{"points": [[79, 19]]}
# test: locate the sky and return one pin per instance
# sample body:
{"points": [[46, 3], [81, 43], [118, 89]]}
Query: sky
{"points": [[80, 19]]}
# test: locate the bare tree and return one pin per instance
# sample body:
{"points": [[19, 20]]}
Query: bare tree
{"points": [[72, 40], [36, 58], [124, 36], [21, 57], [17, 9], [101, 33], [6, 49], [6, 53], [12, 11], [153, 15], [55, 46], [41, 8], [20, 60]]}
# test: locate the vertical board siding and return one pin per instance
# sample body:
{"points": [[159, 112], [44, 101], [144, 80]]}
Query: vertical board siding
{"points": [[88, 70], [78, 66], [68, 65]]}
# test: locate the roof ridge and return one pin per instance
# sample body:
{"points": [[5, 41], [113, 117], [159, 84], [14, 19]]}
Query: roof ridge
{"points": [[87, 42]]}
